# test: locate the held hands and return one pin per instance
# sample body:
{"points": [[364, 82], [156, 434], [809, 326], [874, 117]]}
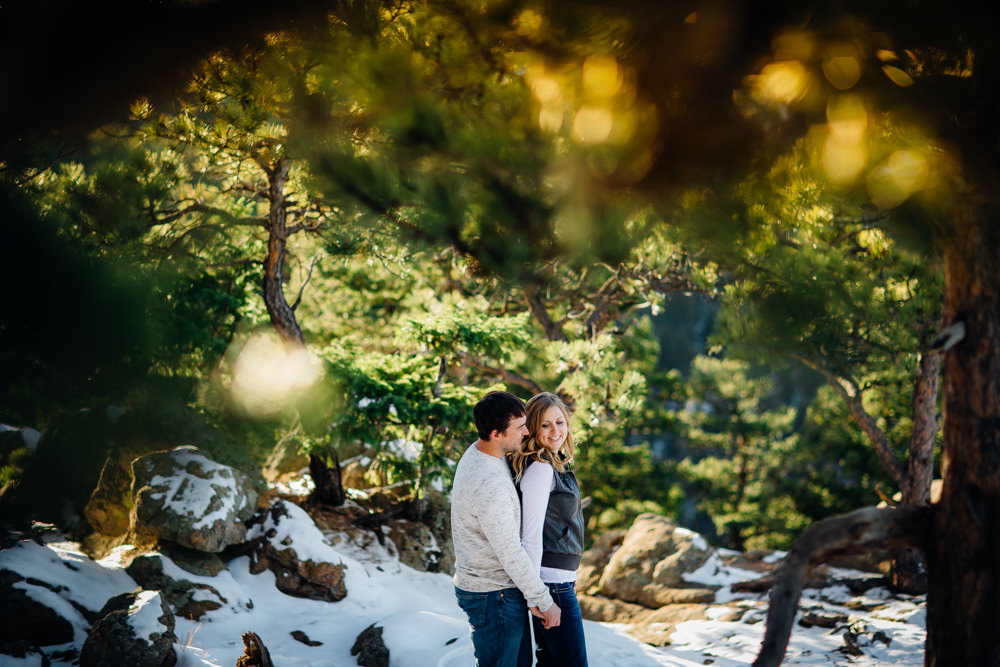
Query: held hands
{"points": [[550, 617]]}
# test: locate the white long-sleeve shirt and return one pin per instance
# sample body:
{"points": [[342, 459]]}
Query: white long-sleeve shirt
{"points": [[485, 525], [536, 484]]}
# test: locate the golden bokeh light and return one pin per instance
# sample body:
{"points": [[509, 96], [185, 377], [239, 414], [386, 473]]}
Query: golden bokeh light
{"points": [[897, 76], [529, 23], [843, 161], [901, 175], [842, 71], [550, 118], [784, 81], [593, 124], [268, 372], [546, 88], [602, 76], [847, 118]]}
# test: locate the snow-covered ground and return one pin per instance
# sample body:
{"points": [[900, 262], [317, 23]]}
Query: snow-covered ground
{"points": [[424, 627]]}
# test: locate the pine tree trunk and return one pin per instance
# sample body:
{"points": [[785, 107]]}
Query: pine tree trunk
{"points": [[281, 314], [963, 558]]}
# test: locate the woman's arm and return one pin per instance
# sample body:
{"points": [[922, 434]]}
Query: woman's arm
{"points": [[536, 484]]}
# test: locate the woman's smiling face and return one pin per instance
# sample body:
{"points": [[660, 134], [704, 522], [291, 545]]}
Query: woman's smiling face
{"points": [[553, 429]]}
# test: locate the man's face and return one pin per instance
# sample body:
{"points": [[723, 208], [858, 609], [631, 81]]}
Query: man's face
{"points": [[517, 430]]}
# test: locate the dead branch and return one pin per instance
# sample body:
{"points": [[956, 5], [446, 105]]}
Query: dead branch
{"points": [[255, 654], [857, 532], [848, 389], [507, 375]]}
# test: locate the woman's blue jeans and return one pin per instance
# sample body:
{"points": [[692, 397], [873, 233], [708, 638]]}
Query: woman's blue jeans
{"points": [[563, 645], [499, 621]]}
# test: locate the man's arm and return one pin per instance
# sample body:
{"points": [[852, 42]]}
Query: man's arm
{"points": [[498, 519]]}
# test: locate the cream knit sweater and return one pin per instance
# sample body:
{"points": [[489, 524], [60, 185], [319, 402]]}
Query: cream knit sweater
{"points": [[486, 530]]}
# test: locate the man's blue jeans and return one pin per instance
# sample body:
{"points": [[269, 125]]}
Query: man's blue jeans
{"points": [[499, 621], [563, 645]]}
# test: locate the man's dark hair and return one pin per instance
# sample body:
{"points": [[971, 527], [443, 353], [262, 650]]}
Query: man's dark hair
{"points": [[494, 411]]}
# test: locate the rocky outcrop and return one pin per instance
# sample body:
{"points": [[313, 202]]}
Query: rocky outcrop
{"points": [[110, 504], [25, 652], [24, 618], [182, 496], [272, 548], [192, 583], [135, 629], [649, 566]]}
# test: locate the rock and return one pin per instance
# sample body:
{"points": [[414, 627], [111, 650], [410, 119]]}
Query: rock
{"points": [[181, 580], [110, 503], [649, 566], [182, 496], [58, 478], [596, 558], [606, 610], [656, 626], [354, 475], [135, 629], [26, 653], [370, 649], [415, 544], [286, 458], [422, 536], [24, 618], [273, 548], [821, 618]]}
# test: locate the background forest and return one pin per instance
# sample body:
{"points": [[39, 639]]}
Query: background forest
{"points": [[342, 233]]}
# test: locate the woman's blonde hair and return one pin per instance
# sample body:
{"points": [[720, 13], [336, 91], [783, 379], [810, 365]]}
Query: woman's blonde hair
{"points": [[531, 449]]}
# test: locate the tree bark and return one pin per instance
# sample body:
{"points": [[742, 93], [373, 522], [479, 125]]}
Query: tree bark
{"points": [[963, 562], [329, 485], [281, 314], [909, 572]]}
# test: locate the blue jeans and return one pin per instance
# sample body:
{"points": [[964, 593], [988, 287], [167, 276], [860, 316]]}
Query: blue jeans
{"points": [[563, 645], [499, 621]]}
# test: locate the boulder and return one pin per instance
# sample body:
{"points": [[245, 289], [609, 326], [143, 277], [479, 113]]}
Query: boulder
{"points": [[193, 583], [649, 565], [182, 496], [110, 504], [415, 545], [607, 610], [370, 649], [25, 618], [596, 558], [25, 652], [62, 471], [135, 629], [273, 548], [427, 529]]}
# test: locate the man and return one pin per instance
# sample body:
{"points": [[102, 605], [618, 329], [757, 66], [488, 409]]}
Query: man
{"points": [[494, 580]]}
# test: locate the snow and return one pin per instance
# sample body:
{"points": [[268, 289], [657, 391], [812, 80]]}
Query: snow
{"points": [[422, 624], [191, 495], [144, 615]]}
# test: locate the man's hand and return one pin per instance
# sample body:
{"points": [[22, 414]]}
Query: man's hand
{"points": [[550, 617]]}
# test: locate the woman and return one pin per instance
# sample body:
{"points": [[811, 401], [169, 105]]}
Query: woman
{"points": [[552, 524]]}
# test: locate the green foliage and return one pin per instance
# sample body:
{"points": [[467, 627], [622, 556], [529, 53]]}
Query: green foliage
{"points": [[740, 453]]}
